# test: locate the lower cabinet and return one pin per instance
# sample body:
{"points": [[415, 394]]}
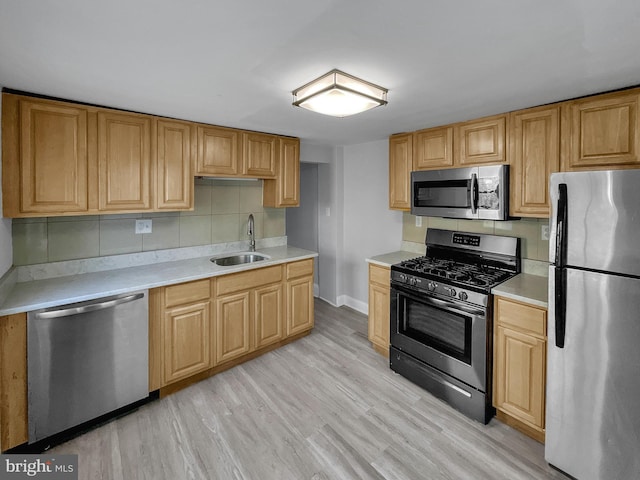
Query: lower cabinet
{"points": [[179, 332], [208, 325], [13, 381], [232, 326], [520, 365], [248, 312], [299, 296], [187, 330], [379, 307], [268, 315]]}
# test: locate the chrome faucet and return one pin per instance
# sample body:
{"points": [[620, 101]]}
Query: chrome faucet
{"points": [[252, 234]]}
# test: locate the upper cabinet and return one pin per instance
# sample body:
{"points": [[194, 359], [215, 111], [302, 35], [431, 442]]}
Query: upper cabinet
{"points": [[534, 151], [400, 165], [124, 162], [45, 157], [226, 152], [602, 132], [284, 190], [259, 154], [176, 143], [481, 141], [593, 133], [433, 148], [61, 158], [218, 151]]}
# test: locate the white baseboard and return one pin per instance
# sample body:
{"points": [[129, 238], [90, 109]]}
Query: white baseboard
{"points": [[351, 302], [328, 301]]}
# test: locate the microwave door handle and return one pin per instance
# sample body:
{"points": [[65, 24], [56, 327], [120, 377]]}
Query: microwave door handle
{"points": [[474, 193]]}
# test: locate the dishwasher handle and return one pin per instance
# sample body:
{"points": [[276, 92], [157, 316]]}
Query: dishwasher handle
{"points": [[66, 312]]}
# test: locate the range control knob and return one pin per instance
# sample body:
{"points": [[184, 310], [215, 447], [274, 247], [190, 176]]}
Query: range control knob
{"points": [[431, 286], [412, 281], [403, 278], [463, 296], [452, 292]]}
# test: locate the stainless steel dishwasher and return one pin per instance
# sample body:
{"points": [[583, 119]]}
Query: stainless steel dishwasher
{"points": [[85, 360]]}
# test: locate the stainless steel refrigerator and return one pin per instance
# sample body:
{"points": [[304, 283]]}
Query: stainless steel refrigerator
{"points": [[593, 356]]}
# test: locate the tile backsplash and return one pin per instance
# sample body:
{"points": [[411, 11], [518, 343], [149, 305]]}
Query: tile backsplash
{"points": [[220, 215], [529, 230]]}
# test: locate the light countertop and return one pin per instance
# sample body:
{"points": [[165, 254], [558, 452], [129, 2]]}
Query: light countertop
{"points": [[33, 295], [388, 259], [525, 288]]}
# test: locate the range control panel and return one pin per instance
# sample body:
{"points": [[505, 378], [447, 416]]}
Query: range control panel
{"points": [[465, 239]]}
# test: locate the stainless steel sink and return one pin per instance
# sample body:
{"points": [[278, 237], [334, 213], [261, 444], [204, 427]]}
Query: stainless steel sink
{"points": [[239, 259]]}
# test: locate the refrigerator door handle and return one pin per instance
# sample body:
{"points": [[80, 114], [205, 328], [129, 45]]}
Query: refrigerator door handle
{"points": [[560, 301], [561, 226]]}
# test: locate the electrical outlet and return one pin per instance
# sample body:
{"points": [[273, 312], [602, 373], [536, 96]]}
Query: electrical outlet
{"points": [[544, 235], [144, 225], [418, 221]]}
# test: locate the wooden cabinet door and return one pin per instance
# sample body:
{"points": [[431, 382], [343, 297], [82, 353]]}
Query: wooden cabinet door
{"points": [[379, 308], [14, 429], [174, 165], [268, 315], [53, 158], [433, 148], [124, 162], [259, 154], [379, 304], [218, 151], [520, 375], [187, 341], [400, 165], [535, 155], [481, 141], [284, 190], [232, 326], [299, 305], [603, 132]]}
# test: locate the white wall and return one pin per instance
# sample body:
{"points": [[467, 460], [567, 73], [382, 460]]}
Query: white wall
{"points": [[369, 227], [354, 220], [302, 221], [329, 205], [6, 249]]}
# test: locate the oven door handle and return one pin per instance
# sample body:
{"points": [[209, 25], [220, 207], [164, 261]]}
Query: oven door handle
{"points": [[453, 306], [444, 304]]}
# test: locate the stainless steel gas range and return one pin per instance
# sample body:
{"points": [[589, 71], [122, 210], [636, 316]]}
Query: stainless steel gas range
{"points": [[441, 316]]}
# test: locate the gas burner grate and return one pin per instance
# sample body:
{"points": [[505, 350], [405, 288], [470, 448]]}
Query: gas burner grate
{"points": [[466, 273]]}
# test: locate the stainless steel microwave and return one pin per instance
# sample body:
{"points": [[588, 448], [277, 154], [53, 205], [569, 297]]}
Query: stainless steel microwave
{"points": [[471, 192]]}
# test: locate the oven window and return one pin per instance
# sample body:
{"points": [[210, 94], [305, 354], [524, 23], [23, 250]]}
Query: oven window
{"points": [[448, 332], [444, 194]]}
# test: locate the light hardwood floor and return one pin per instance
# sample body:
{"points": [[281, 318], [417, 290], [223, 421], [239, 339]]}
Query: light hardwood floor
{"points": [[324, 407]]}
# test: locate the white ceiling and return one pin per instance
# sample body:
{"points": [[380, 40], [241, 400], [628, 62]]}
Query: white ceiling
{"points": [[235, 62]]}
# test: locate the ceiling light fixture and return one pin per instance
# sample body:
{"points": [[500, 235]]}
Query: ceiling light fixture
{"points": [[339, 94]]}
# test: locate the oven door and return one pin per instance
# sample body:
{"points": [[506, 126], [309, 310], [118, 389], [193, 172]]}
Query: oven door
{"points": [[446, 334]]}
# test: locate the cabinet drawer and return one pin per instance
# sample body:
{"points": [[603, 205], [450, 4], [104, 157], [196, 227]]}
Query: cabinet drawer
{"points": [[250, 279], [521, 316], [379, 275], [299, 269], [187, 293]]}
